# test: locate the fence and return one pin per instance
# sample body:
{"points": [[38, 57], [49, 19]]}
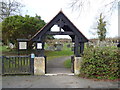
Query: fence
{"points": [[17, 65]]}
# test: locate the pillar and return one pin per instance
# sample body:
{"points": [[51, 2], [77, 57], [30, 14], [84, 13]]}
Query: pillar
{"points": [[39, 66], [77, 65], [76, 47], [81, 48]]}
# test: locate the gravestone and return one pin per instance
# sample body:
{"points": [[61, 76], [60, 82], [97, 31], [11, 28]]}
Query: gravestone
{"points": [[68, 45], [72, 47], [58, 47], [11, 46], [51, 48]]}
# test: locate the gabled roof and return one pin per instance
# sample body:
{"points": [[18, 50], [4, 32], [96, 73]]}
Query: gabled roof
{"points": [[68, 26]]}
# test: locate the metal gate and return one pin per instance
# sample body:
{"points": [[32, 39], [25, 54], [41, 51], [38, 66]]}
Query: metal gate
{"points": [[17, 65]]}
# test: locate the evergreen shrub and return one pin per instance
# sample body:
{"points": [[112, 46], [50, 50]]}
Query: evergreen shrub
{"points": [[101, 63]]}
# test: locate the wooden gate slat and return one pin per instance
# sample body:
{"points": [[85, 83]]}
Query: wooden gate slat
{"points": [[2, 64], [16, 65]]}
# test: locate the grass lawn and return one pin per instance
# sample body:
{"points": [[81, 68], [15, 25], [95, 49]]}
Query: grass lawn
{"points": [[67, 63], [55, 54], [3, 49]]}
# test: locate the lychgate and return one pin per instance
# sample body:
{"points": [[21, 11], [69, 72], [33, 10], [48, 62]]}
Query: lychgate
{"points": [[69, 29]]}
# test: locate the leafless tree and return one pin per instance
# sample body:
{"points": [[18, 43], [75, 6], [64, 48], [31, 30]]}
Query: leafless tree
{"points": [[79, 5], [10, 7]]}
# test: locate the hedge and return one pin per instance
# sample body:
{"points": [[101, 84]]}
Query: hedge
{"points": [[101, 63]]}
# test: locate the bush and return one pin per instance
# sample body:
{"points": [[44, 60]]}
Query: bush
{"points": [[101, 63]]}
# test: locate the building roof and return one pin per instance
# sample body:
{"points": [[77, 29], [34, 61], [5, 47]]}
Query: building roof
{"points": [[62, 21]]}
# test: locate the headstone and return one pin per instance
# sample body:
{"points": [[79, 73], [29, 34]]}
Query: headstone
{"points": [[59, 47], [68, 45], [11, 46], [72, 48], [51, 48]]}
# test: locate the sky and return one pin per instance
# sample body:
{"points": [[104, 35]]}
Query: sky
{"points": [[84, 21]]}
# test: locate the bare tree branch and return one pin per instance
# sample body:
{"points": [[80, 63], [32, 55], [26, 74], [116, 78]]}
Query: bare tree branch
{"points": [[12, 7], [79, 5]]}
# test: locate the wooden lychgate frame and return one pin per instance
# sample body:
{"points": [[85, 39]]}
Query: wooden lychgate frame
{"points": [[69, 29]]}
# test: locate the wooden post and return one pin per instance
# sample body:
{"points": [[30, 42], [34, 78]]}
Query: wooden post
{"points": [[36, 51], [81, 48], [32, 56], [42, 51], [76, 46], [3, 65], [45, 64], [18, 48]]}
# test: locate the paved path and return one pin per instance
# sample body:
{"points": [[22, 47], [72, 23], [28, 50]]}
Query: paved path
{"points": [[60, 81], [57, 65]]}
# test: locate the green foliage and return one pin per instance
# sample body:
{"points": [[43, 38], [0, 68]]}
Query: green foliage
{"points": [[101, 28], [15, 27], [3, 49], [101, 63], [59, 53], [67, 63]]}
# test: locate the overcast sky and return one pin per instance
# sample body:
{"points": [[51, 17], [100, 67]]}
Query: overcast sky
{"points": [[84, 21]]}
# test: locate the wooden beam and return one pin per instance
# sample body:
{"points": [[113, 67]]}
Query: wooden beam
{"points": [[40, 52], [81, 48], [60, 33], [76, 48]]}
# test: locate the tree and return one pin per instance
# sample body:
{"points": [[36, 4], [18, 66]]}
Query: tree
{"points": [[10, 7], [85, 4], [101, 28], [15, 27]]}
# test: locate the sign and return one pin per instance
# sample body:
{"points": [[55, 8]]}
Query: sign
{"points": [[39, 45], [22, 45], [32, 55]]}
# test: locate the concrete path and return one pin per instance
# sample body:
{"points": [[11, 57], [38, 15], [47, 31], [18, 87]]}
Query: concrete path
{"points": [[57, 66]]}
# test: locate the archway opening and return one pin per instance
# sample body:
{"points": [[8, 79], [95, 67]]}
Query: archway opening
{"points": [[59, 50]]}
